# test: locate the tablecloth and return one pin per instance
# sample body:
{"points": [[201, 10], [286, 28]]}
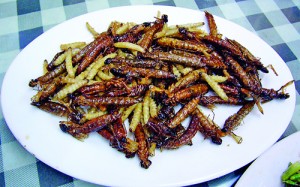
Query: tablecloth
{"points": [[276, 21]]}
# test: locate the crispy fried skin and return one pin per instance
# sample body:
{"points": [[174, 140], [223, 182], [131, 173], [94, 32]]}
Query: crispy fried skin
{"points": [[142, 152]]}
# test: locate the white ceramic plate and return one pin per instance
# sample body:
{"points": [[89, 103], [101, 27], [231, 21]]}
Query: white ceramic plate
{"points": [[94, 160], [267, 169]]}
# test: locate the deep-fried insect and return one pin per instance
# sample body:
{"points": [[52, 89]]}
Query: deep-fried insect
{"points": [[186, 137], [51, 65], [187, 93], [55, 108], [96, 124], [142, 72], [211, 24], [224, 44], [197, 61], [49, 76], [142, 152], [186, 80], [251, 59], [91, 54], [234, 120], [149, 35], [137, 62], [132, 35], [137, 90], [211, 100], [184, 112], [103, 86], [183, 45], [270, 94], [242, 75], [208, 128], [119, 130], [96, 101], [76, 59]]}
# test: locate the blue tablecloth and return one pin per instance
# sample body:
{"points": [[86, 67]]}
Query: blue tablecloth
{"points": [[275, 21]]}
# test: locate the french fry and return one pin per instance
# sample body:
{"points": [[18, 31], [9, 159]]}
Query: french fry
{"points": [[218, 78], [146, 107], [128, 45], [152, 149], [124, 28], [98, 64], [176, 71], [214, 85], [153, 108], [69, 66], [91, 30], [60, 59], [45, 64], [72, 45], [136, 117], [70, 89], [187, 25], [127, 112], [91, 115], [105, 76]]}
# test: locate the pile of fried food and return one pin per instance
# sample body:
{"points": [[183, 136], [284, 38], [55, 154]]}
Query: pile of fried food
{"points": [[139, 73]]}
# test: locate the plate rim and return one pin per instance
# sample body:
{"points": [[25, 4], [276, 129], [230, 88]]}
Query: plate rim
{"points": [[95, 12], [243, 179]]}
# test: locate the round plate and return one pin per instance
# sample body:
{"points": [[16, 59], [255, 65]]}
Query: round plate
{"points": [[264, 172], [94, 160]]}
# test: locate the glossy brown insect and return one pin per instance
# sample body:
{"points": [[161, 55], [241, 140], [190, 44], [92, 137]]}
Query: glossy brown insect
{"points": [[142, 152]]}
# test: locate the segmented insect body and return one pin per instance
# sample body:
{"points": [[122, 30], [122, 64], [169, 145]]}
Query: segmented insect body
{"points": [[184, 112], [103, 86], [93, 88], [191, 61], [210, 100], [187, 93], [186, 80], [211, 24], [91, 55], [237, 69], [270, 94], [131, 36], [140, 63], [96, 124], [51, 65], [234, 120], [149, 35], [104, 132], [231, 90], [95, 101], [208, 128], [50, 75], [76, 59], [186, 137], [47, 91], [142, 72], [55, 108], [142, 152], [224, 44], [159, 128], [127, 146], [184, 45], [119, 130], [137, 90], [194, 36], [251, 59]]}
